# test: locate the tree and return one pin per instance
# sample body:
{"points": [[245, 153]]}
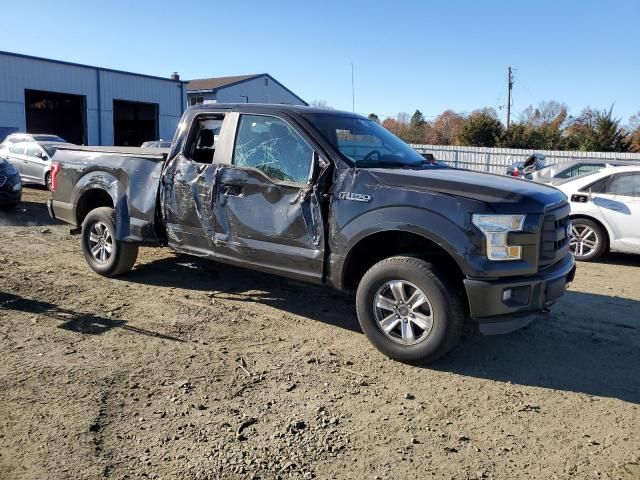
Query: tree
{"points": [[539, 127], [597, 131], [417, 130], [395, 127], [445, 128], [481, 129], [634, 132], [374, 117]]}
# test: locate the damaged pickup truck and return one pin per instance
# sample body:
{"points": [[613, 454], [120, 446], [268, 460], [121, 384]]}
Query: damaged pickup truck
{"points": [[330, 198]]}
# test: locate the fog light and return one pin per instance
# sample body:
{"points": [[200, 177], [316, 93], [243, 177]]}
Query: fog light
{"points": [[506, 294]]}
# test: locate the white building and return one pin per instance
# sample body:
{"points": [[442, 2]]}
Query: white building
{"points": [[258, 88]]}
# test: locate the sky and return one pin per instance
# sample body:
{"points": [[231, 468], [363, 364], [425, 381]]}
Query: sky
{"points": [[406, 55]]}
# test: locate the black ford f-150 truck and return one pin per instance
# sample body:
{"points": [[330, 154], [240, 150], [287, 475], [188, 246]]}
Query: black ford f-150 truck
{"points": [[330, 198]]}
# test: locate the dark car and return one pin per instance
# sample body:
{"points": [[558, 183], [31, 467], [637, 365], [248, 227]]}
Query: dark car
{"points": [[330, 198], [10, 185], [525, 169]]}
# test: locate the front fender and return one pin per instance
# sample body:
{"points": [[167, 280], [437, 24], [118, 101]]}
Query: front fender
{"points": [[452, 233]]}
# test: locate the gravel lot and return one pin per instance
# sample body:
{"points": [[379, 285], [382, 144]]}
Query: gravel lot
{"points": [[190, 369]]}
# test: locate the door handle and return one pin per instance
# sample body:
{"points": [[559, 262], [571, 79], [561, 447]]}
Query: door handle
{"points": [[232, 190]]}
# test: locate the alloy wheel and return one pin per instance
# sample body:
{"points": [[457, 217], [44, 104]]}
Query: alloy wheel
{"points": [[403, 312], [100, 242], [584, 240]]}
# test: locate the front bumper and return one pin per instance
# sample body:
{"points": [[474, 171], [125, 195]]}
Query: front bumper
{"points": [[504, 305], [10, 190]]}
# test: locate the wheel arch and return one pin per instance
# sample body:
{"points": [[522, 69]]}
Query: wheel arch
{"points": [[597, 221], [377, 246]]}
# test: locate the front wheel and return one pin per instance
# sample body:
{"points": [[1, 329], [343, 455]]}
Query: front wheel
{"points": [[408, 310], [104, 254], [588, 240]]}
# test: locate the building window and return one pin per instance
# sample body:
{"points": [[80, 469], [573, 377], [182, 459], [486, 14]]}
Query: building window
{"points": [[196, 101], [266, 81]]}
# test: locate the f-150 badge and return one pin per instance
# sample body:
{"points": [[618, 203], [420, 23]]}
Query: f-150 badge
{"points": [[356, 197]]}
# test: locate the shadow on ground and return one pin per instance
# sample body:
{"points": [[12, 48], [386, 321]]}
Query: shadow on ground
{"points": [[590, 344], [234, 283], [27, 214], [74, 321]]}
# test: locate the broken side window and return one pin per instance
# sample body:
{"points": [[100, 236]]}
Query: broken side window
{"points": [[203, 138], [270, 145]]}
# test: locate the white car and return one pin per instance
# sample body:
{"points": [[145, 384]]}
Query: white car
{"points": [[605, 211]]}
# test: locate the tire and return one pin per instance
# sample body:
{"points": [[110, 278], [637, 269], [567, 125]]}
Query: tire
{"points": [[589, 240], [101, 223], [47, 181], [442, 302]]}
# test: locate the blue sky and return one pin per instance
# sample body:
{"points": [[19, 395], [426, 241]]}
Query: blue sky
{"points": [[406, 54]]}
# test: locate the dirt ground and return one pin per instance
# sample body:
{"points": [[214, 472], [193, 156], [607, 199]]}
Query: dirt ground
{"points": [[190, 369]]}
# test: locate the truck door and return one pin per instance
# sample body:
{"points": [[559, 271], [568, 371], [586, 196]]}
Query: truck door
{"points": [[188, 188], [267, 210]]}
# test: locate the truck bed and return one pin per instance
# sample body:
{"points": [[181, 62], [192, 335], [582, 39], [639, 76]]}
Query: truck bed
{"points": [[125, 178]]}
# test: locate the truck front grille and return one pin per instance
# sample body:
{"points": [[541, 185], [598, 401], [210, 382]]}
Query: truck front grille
{"points": [[554, 237]]}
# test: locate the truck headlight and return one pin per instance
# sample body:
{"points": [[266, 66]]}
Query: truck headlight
{"points": [[495, 229]]}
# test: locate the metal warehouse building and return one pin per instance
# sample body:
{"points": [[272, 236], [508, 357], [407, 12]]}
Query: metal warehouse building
{"points": [[87, 105]]}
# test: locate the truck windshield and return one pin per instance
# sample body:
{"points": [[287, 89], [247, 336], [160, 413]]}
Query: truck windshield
{"points": [[365, 142]]}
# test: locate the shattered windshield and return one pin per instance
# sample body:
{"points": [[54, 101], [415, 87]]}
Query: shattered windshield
{"points": [[365, 142]]}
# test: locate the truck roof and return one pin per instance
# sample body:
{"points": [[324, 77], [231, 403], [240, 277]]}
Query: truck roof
{"points": [[270, 108]]}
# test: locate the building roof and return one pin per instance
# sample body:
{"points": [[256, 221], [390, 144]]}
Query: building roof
{"points": [[72, 64], [218, 82], [215, 83]]}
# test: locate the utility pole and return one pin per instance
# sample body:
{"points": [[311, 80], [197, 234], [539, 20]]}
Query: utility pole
{"points": [[510, 81]]}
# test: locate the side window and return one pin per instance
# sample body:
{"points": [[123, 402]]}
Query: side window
{"points": [[627, 184], [33, 150], [203, 138], [597, 187], [273, 147], [17, 148], [585, 168]]}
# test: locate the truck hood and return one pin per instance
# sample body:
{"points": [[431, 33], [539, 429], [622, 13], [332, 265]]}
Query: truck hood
{"points": [[504, 194]]}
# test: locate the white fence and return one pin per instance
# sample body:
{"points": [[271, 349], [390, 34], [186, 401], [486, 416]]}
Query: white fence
{"points": [[496, 160]]}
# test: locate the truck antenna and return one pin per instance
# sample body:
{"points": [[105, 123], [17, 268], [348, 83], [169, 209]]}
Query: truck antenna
{"points": [[353, 109]]}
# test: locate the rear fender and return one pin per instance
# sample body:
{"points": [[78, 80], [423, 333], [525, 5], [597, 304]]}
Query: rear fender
{"points": [[116, 190]]}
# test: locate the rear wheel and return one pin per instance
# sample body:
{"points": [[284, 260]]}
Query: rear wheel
{"points": [[47, 181], [408, 310], [104, 254], [588, 239]]}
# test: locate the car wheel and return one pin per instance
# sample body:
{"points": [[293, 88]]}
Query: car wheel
{"points": [[408, 310], [47, 181], [104, 254], [588, 239]]}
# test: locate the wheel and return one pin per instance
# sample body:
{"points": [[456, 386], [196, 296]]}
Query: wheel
{"points": [[104, 254], [47, 181], [588, 239], [408, 310]]}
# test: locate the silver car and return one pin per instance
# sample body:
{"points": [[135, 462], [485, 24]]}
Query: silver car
{"points": [[32, 160], [558, 173]]}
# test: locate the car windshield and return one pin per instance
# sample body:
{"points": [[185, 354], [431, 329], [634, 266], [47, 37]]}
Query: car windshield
{"points": [[48, 138], [365, 143]]}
